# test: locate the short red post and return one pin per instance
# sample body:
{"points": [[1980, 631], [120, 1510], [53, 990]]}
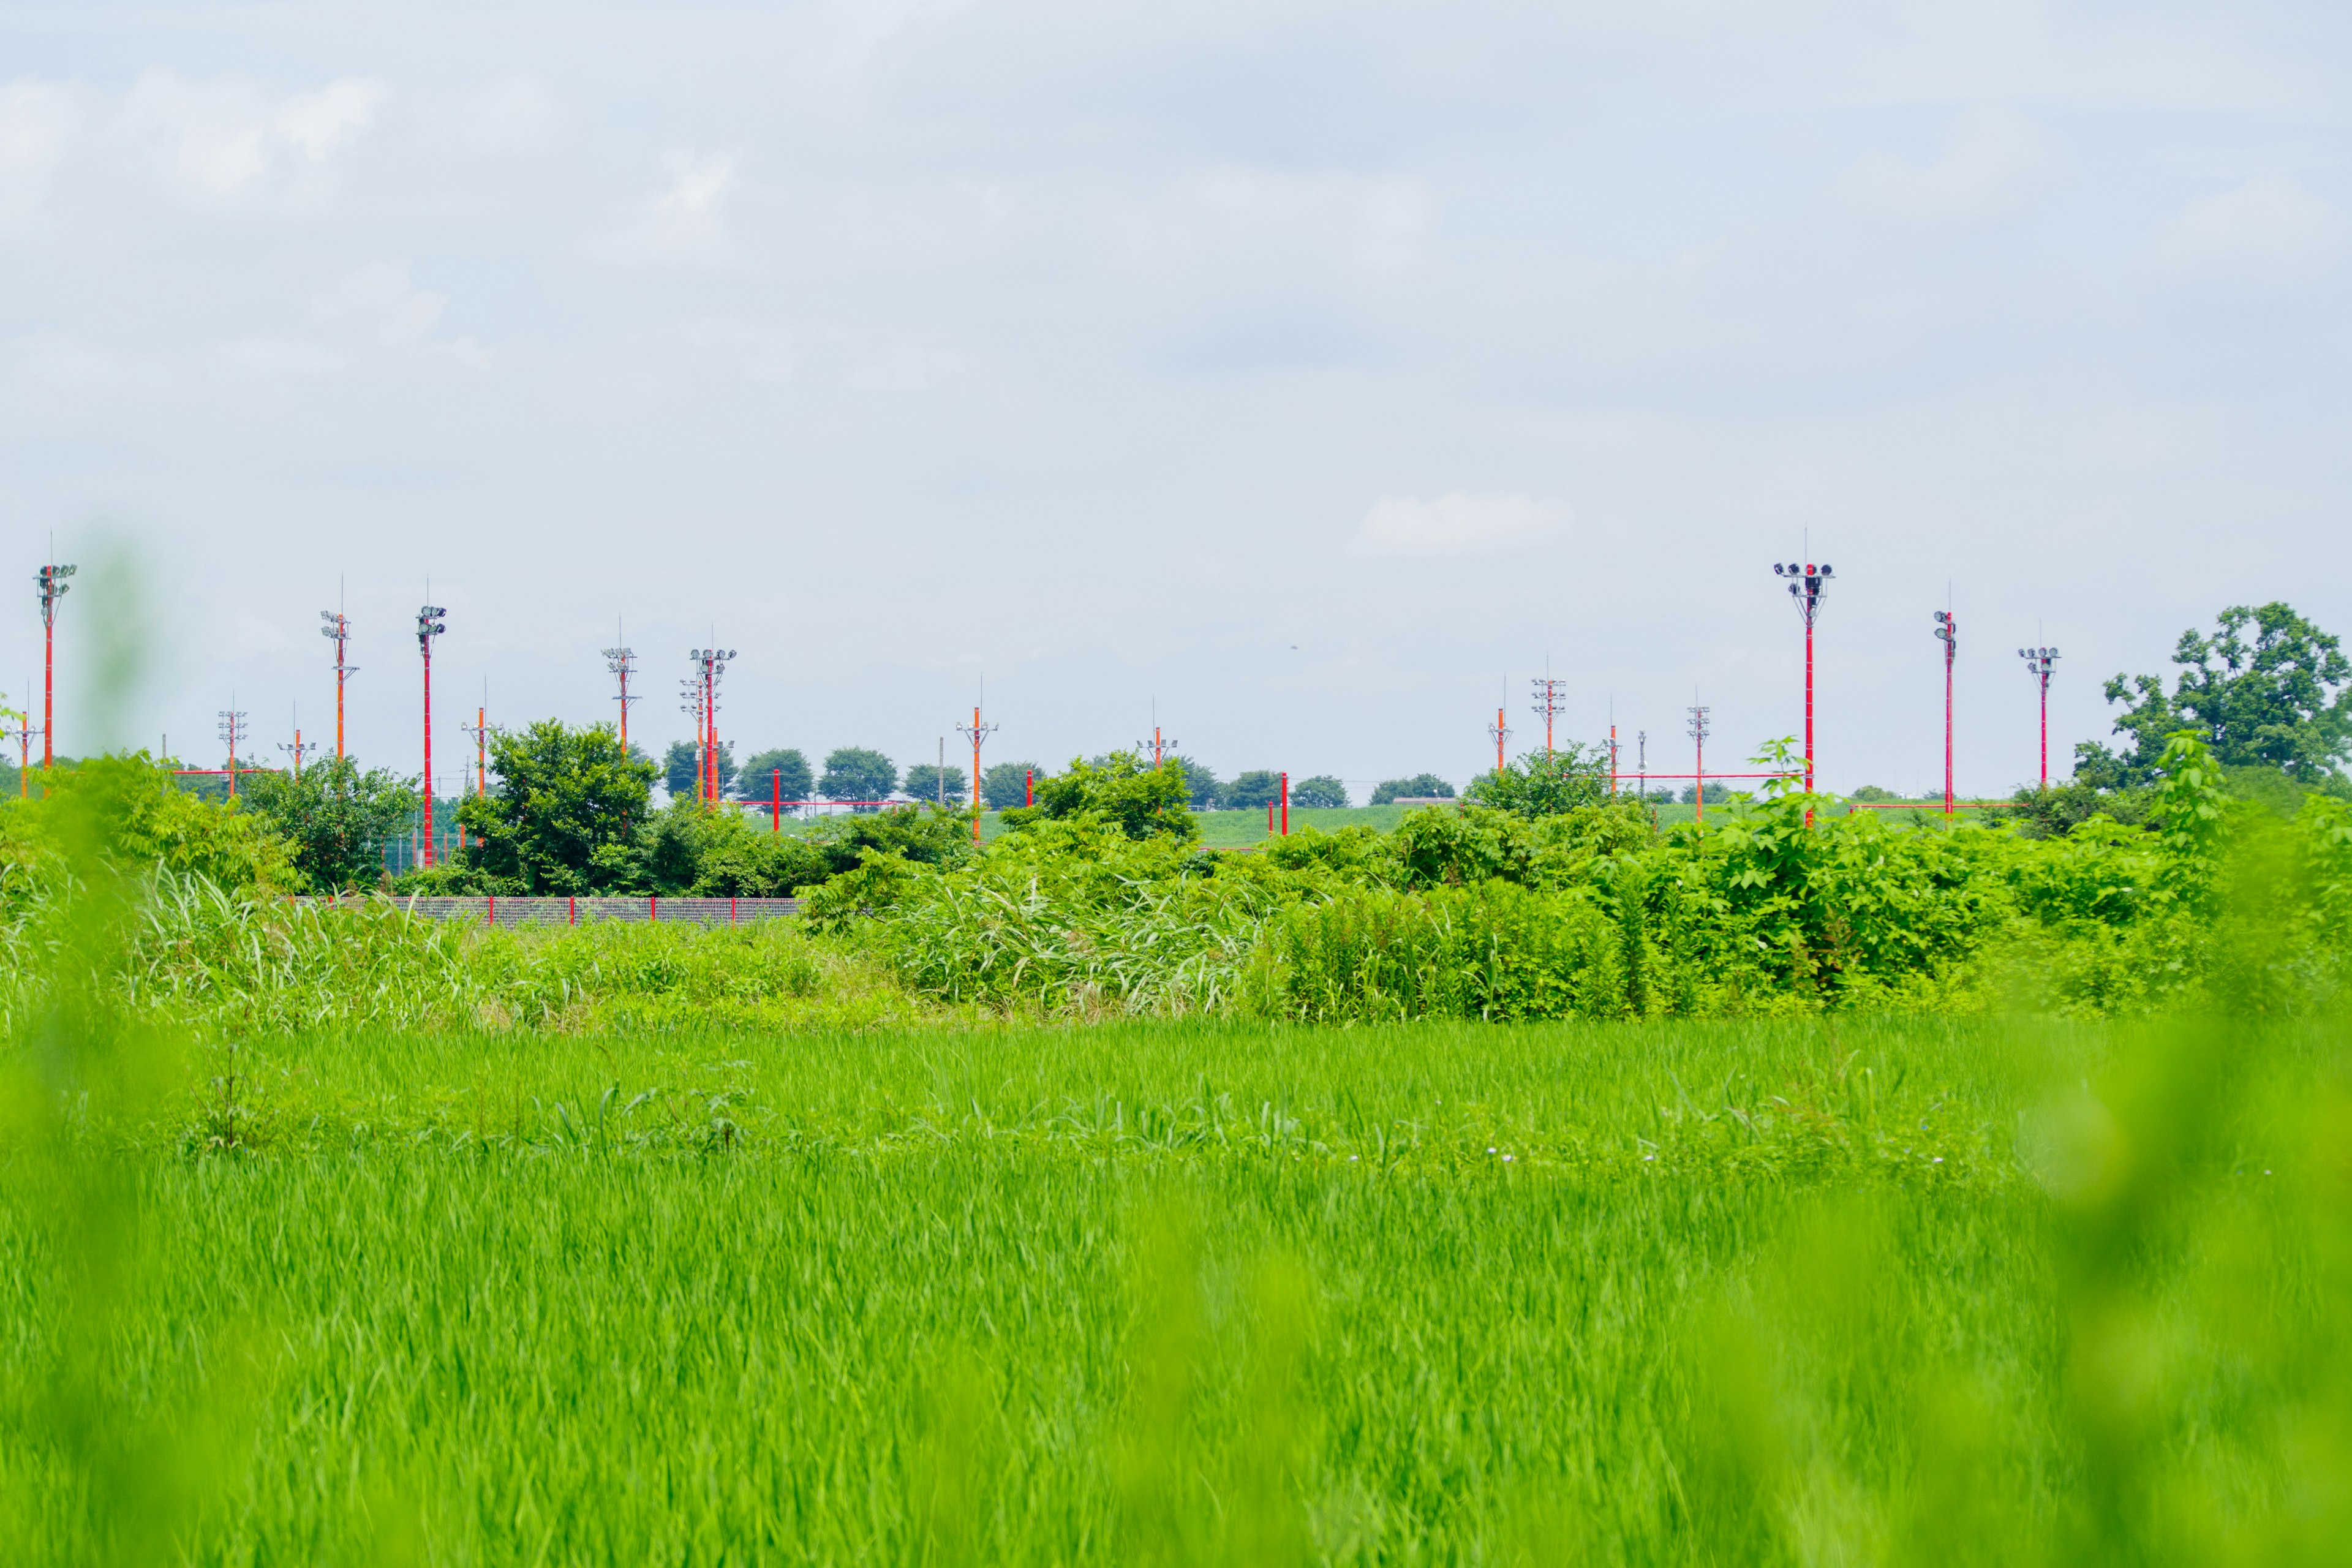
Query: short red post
{"points": [[653, 908], [572, 913], [1029, 786], [730, 910], [490, 910], [1286, 805]]}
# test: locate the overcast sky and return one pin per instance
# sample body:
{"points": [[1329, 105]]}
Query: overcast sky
{"points": [[1316, 370]]}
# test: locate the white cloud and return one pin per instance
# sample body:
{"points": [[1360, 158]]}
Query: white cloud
{"points": [[686, 222], [1989, 162], [225, 142], [383, 295], [2268, 229], [1456, 523], [38, 122], [279, 357]]}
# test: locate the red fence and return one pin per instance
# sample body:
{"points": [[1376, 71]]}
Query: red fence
{"points": [[578, 912]]}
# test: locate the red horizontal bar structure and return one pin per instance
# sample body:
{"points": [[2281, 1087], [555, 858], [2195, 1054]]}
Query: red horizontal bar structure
{"points": [[1920, 805], [1639, 777], [220, 772]]}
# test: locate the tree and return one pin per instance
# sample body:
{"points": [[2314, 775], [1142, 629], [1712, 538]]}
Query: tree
{"points": [[565, 815], [1419, 786], [1546, 783], [336, 817], [1717, 794], [679, 763], [1142, 802], [1006, 786], [938, 785], [756, 780], [1259, 787], [1201, 783], [1322, 790], [855, 772], [2277, 699]]}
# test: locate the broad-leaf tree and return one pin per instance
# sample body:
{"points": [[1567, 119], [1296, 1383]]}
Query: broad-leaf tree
{"points": [[1006, 784], [1322, 790], [1546, 783], [758, 778], [857, 773], [565, 815], [1421, 787], [2268, 688], [679, 765], [336, 816], [935, 785], [1259, 787]]}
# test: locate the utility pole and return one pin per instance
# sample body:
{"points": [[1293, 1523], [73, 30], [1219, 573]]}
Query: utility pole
{"points": [[1807, 583], [339, 628], [481, 730], [298, 750], [1548, 704], [1286, 805], [623, 662], [429, 626], [1642, 761], [977, 732], [1948, 631], [52, 580], [1501, 732], [1699, 764], [939, 774], [2039, 662], [232, 732]]}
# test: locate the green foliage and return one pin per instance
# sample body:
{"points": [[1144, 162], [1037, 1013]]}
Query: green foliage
{"points": [[336, 818], [2281, 698], [759, 779], [565, 815], [1544, 783], [1252, 791], [1202, 783], [1421, 787], [128, 813], [1138, 801], [855, 772], [1321, 790], [1006, 784], [682, 762], [930, 784]]}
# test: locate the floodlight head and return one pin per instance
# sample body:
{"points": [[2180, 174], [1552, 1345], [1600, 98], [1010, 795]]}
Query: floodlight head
{"points": [[1943, 615], [1825, 569], [1778, 570]]}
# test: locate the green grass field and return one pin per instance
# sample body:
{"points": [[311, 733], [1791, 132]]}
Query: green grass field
{"points": [[1643, 1293]]}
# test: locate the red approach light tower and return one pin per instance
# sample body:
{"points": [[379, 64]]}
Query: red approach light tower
{"points": [[2039, 663], [52, 580], [1948, 632], [25, 733], [339, 627], [1807, 583], [1698, 728], [976, 732], [1500, 733], [297, 750], [232, 733], [623, 662], [1548, 704], [429, 626]]}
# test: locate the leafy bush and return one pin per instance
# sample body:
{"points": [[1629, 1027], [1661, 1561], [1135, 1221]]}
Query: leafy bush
{"points": [[335, 819], [1544, 783], [1119, 790], [566, 815]]}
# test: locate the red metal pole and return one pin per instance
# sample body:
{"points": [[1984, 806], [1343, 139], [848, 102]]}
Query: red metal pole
{"points": [[1286, 805], [2045, 732], [48, 688], [426, 858], [1029, 786], [776, 801], [1950, 648], [1698, 777], [1498, 740], [1809, 709], [339, 694]]}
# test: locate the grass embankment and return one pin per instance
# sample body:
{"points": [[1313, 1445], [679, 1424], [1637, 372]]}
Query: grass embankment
{"points": [[1670, 1292]]}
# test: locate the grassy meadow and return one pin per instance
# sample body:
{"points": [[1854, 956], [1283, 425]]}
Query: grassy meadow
{"points": [[1845, 1289]]}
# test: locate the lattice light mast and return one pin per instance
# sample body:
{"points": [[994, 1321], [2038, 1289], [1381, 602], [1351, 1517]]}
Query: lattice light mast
{"points": [[232, 735], [690, 692], [339, 628], [623, 663], [2039, 663], [1948, 632], [52, 580], [429, 626], [710, 664], [1698, 731], [976, 732], [1548, 692], [1807, 583]]}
